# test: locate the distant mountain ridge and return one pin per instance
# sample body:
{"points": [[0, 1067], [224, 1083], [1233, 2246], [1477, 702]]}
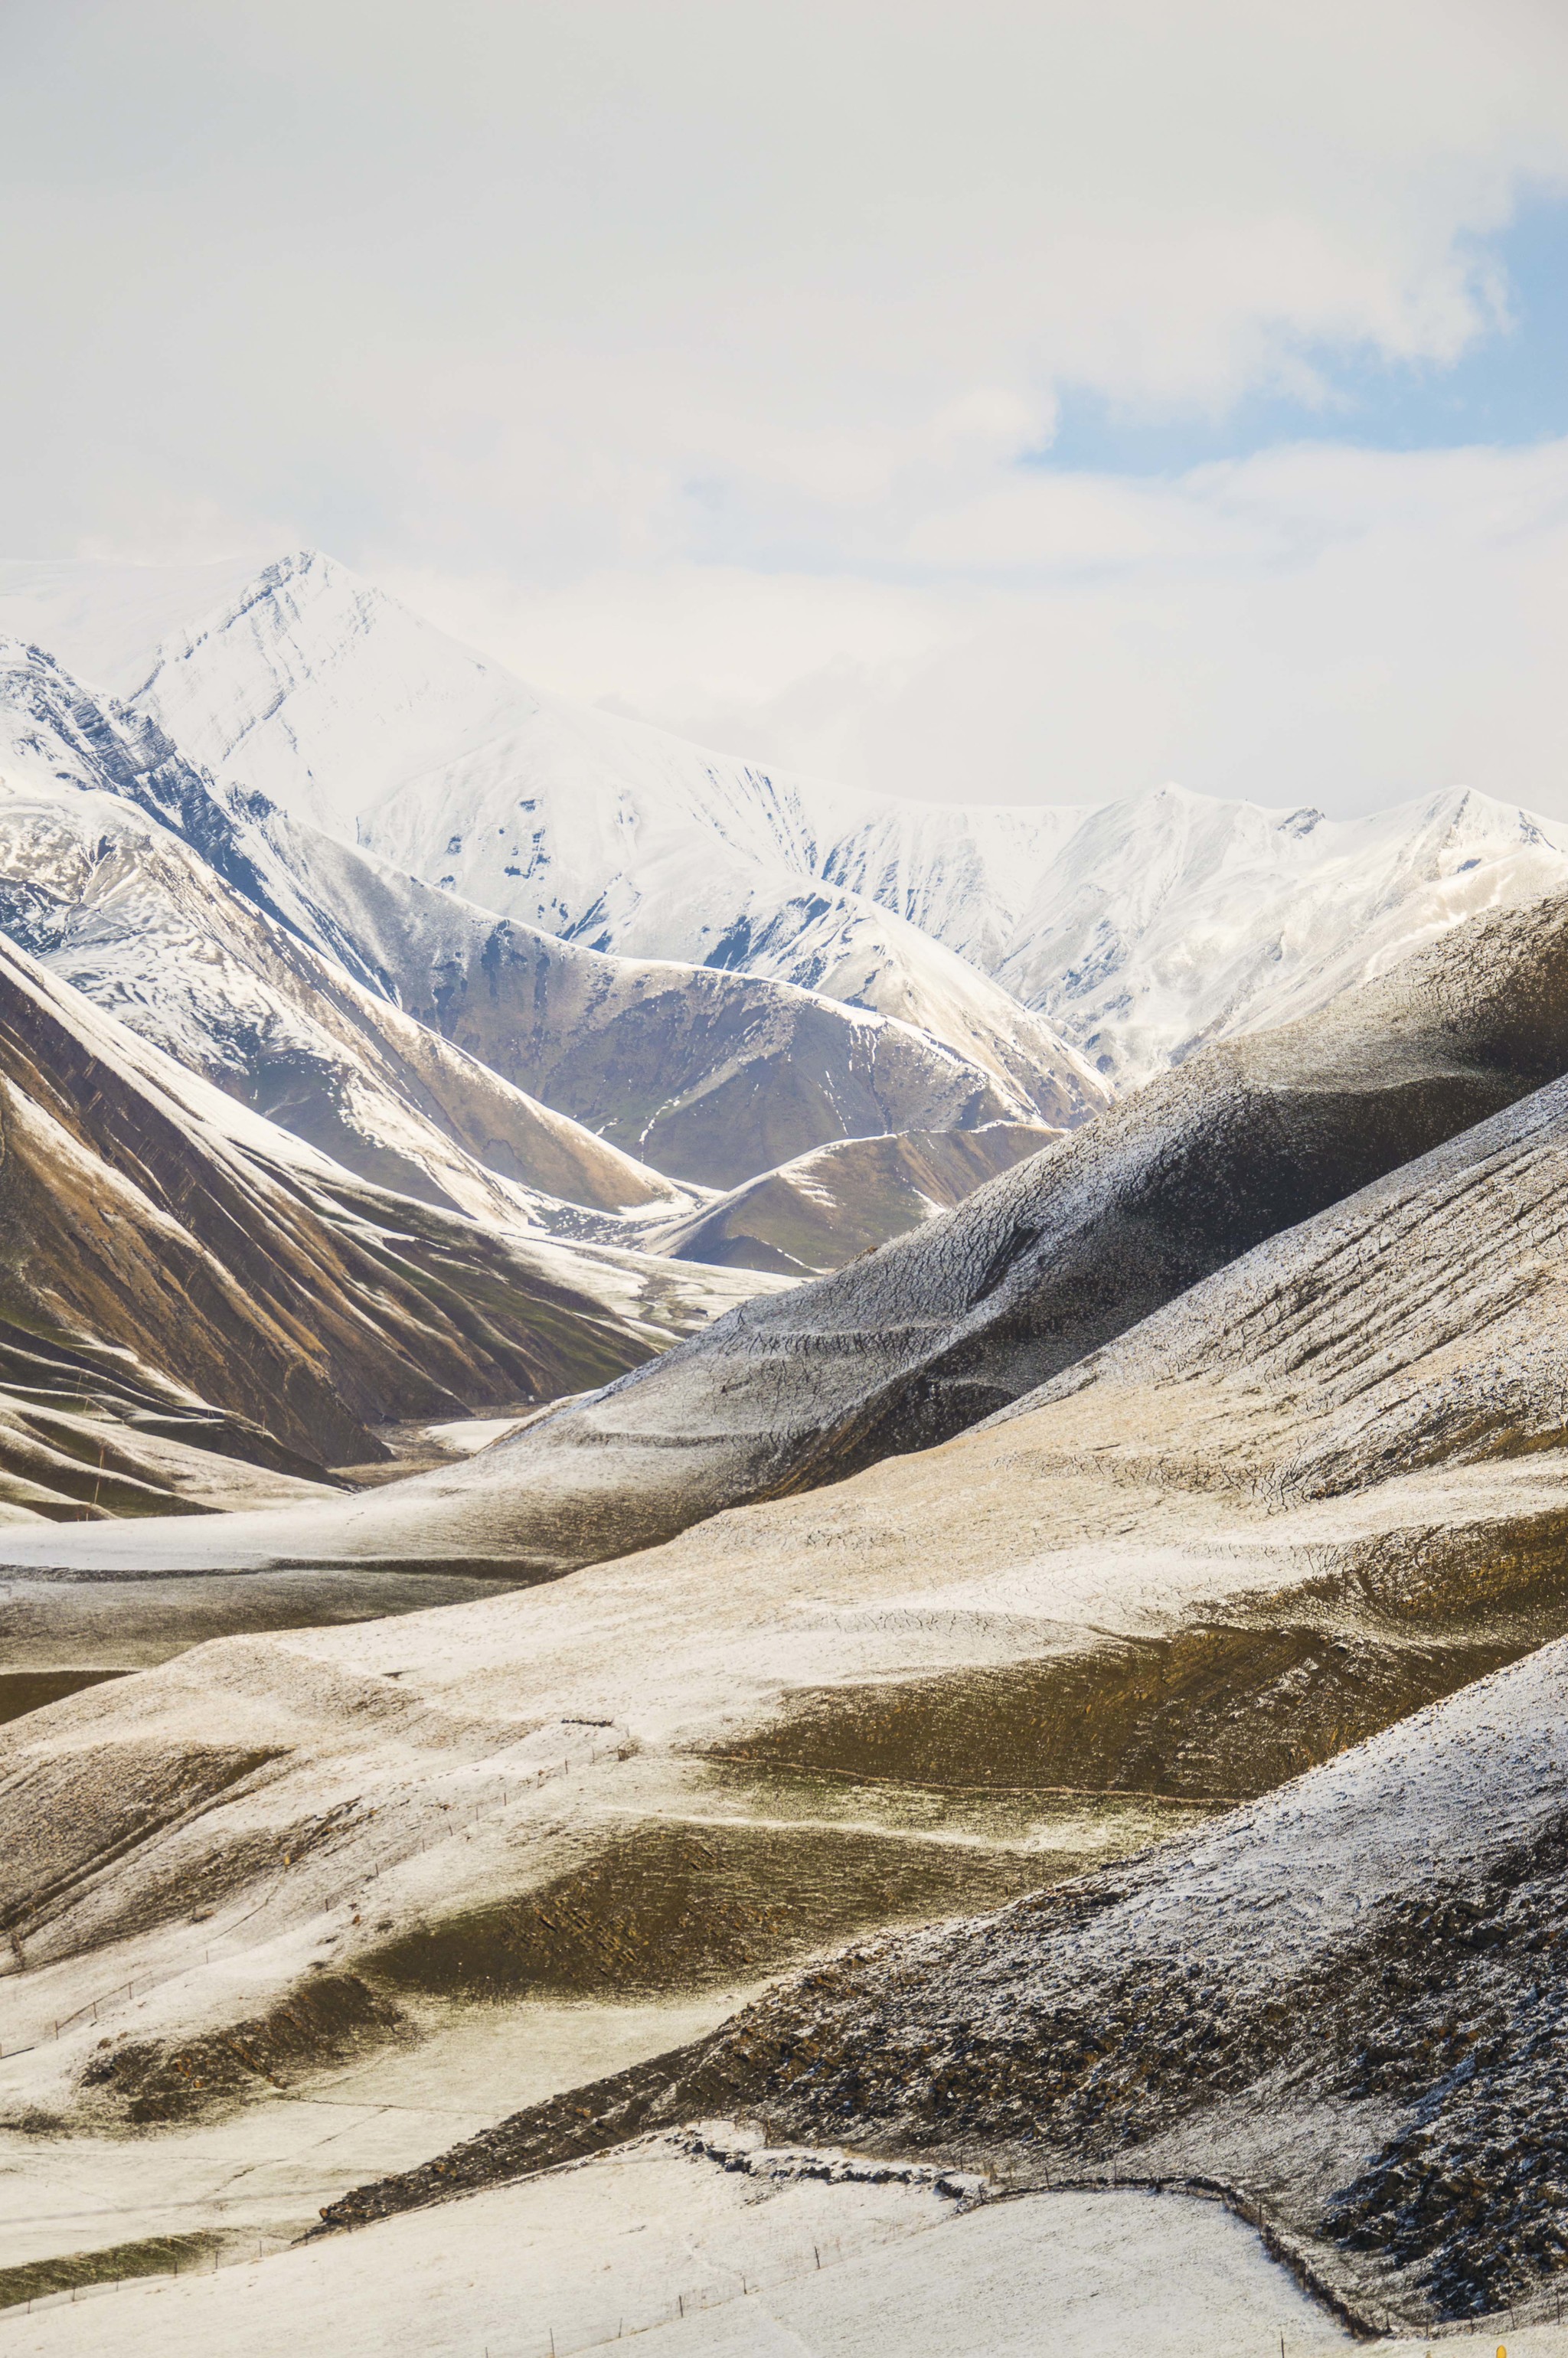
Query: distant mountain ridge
{"points": [[1079, 942], [430, 1046], [345, 709]]}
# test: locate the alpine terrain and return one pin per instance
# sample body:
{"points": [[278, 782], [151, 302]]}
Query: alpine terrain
{"points": [[793, 1541]]}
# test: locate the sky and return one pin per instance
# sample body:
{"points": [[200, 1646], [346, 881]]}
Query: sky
{"points": [[996, 402]]}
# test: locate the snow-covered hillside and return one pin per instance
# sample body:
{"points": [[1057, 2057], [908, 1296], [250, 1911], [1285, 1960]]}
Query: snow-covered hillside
{"points": [[98, 887], [1133, 932], [344, 708], [1177, 919], [429, 1045]]}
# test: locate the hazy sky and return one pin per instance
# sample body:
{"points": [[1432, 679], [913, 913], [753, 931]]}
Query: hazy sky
{"points": [[978, 400]]}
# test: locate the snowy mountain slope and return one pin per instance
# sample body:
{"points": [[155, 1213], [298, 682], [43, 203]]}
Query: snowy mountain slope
{"points": [[125, 911], [1138, 929], [98, 887], [102, 620], [963, 872], [337, 703], [1167, 922], [296, 971]]}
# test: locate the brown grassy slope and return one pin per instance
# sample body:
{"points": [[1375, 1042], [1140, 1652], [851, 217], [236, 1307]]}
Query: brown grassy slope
{"points": [[829, 1206], [1321, 1490]]}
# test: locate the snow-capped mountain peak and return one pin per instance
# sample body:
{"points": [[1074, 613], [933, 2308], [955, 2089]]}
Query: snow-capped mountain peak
{"points": [[1089, 946]]}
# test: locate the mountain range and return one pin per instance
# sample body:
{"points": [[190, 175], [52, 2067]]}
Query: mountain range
{"points": [[618, 1370], [1129, 933]]}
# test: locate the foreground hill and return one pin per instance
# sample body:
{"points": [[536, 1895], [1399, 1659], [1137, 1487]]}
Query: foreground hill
{"points": [[1342, 2007], [1294, 1505], [1345, 2000]]}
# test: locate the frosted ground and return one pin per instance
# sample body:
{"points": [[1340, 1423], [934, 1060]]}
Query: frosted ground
{"points": [[663, 2245]]}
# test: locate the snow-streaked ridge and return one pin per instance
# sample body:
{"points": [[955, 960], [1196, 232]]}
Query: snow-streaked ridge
{"points": [[1097, 942]]}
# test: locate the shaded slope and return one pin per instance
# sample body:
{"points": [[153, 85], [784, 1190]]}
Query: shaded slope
{"points": [[946, 1325], [825, 1207]]}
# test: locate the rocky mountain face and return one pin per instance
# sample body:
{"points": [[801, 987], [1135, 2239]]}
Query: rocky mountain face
{"points": [[427, 1047], [345, 709]]}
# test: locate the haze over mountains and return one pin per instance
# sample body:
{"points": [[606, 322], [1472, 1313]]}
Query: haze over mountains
{"points": [[1001, 1335]]}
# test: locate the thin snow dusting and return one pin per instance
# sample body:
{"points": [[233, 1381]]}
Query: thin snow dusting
{"points": [[697, 2257]]}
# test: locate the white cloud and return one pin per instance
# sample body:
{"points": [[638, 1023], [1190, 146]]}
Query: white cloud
{"points": [[690, 351], [1329, 625]]}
